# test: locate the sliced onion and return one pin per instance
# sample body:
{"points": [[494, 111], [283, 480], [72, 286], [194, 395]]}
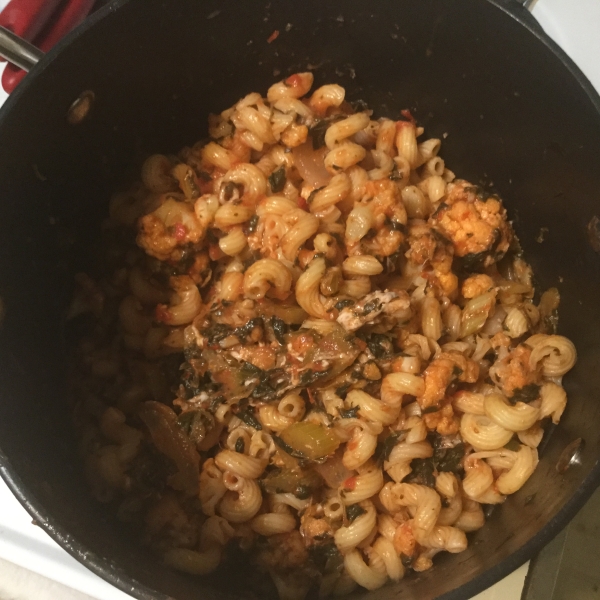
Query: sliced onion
{"points": [[171, 440], [333, 470], [311, 164]]}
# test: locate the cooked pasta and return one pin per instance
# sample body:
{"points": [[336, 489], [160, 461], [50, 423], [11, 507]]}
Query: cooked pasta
{"points": [[315, 343]]}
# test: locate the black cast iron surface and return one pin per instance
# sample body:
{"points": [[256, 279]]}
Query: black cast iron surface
{"points": [[518, 114]]}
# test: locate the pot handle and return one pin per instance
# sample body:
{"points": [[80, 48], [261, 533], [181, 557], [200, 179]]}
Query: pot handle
{"points": [[18, 51], [22, 17]]}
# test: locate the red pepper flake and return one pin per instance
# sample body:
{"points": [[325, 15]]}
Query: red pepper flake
{"points": [[302, 203], [311, 398], [408, 116], [215, 252], [180, 231], [162, 314], [273, 36], [350, 483]]}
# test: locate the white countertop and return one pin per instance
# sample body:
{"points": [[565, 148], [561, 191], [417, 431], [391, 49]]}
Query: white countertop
{"points": [[34, 567]]}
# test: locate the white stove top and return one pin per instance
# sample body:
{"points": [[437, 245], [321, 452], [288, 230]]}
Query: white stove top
{"points": [[573, 24]]}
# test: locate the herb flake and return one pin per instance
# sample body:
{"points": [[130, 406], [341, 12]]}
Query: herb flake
{"points": [[277, 180]]}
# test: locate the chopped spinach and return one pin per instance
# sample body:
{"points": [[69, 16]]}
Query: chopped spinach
{"points": [[472, 261], [442, 206], [245, 330], [279, 329], [481, 194], [359, 105], [384, 448], [191, 352], [309, 376], [217, 332], [449, 459], [312, 195], [528, 393], [370, 306], [215, 402], [252, 224], [270, 383], [456, 371], [354, 511], [196, 424], [247, 415], [351, 413], [250, 371], [277, 180], [396, 225], [396, 175], [319, 129], [323, 554], [239, 445], [343, 390], [440, 238], [380, 345], [302, 492], [422, 472], [344, 304], [191, 382]]}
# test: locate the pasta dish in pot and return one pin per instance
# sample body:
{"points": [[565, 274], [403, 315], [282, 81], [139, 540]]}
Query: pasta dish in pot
{"points": [[311, 340]]}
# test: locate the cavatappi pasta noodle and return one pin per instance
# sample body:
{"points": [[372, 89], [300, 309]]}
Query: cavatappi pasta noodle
{"points": [[312, 342]]}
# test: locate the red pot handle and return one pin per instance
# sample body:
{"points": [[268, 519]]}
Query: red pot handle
{"points": [[26, 18], [53, 27]]}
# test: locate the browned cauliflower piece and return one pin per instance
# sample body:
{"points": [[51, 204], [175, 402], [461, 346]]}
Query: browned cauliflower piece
{"points": [[422, 243], [430, 250], [173, 224], [283, 551], [314, 526], [477, 285], [513, 373], [477, 227], [383, 198], [438, 376]]}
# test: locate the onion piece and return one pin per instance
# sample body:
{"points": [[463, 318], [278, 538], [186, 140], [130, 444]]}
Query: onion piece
{"points": [[333, 470], [311, 164], [310, 439], [171, 440]]}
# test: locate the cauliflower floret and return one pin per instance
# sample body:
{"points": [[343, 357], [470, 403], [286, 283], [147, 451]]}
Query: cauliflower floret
{"points": [[513, 371], [173, 224], [383, 199], [314, 526], [284, 551], [427, 248], [422, 243], [438, 376], [477, 228], [477, 285]]}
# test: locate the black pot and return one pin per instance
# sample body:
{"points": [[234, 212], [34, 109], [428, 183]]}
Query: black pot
{"points": [[517, 111]]}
